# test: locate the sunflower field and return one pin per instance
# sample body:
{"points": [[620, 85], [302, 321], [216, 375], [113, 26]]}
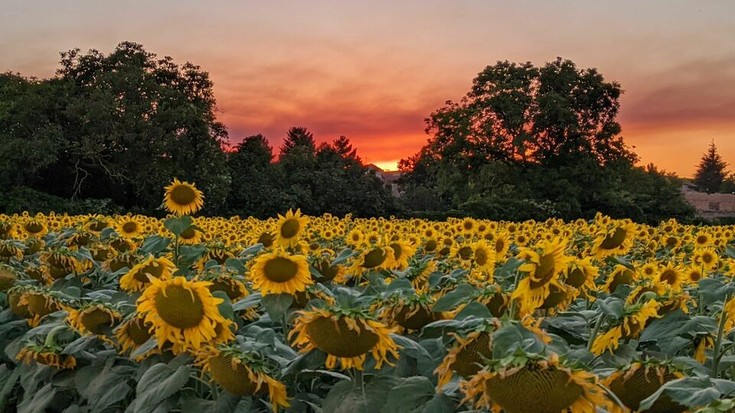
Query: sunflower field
{"points": [[324, 314]]}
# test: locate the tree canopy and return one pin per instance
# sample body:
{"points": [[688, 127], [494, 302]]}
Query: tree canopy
{"points": [[530, 142]]}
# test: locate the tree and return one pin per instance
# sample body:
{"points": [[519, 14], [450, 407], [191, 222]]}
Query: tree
{"points": [[254, 190], [117, 126], [711, 174], [530, 142]]}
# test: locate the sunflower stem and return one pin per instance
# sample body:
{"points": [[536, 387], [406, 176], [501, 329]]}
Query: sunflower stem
{"points": [[50, 342], [595, 331], [718, 342], [512, 310]]}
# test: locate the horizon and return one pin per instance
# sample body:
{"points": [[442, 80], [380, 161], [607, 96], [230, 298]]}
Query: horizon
{"points": [[373, 73]]}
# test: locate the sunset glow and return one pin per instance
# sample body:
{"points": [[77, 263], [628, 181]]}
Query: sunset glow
{"points": [[374, 71]]}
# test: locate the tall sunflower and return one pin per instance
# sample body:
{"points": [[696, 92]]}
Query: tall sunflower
{"points": [[542, 267], [183, 198], [634, 383], [346, 337], [279, 272], [289, 227], [183, 313]]}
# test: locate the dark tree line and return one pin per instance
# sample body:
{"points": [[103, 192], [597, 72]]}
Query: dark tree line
{"points": [[712, 176], [109, 131]]}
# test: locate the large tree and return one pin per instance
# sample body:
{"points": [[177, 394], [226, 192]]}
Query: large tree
{"points": [[116, 126], [525, 142], [711, 174]]}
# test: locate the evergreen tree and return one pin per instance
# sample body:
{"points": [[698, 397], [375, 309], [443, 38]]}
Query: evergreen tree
{"points": [[711, 172]]}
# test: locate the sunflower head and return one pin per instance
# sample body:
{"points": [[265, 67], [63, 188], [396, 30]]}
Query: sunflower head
{"points": [[534, 383], [96, 318], [279, 272], [183, 313], [182, 198], [133, 332], [139, 275], [289, 227], [636, 382], [346, 335], [49, 355], [244, 373]]}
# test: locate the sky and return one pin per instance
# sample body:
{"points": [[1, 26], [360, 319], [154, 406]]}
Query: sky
{"points": [[374, 70]]}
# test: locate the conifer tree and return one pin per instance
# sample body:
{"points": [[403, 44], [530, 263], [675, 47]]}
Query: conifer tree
{"points": [[711, 172]]}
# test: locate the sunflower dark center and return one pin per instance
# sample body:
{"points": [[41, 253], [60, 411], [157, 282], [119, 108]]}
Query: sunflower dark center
{"points": [[614, 240], [130, 227], [183, 195], [96, 320], [153, 269], [544, 271], [465, 253], [138, 331], [34, 227], [470, 359], [179, 307], [397, 250], [290, 228], [576, 277], [335, 337], [481, 257], [669, 276], [188, 233], [234, 380], [280, 269], [534, 390], [374, 258]]}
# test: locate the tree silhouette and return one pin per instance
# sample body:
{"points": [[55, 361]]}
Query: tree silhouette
{"points": [[711, 172]]}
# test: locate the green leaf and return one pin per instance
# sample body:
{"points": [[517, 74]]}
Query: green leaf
{"points": [[157, 384], [474, 309], [144, 348], [276, 305], [178, 225], [154, 244], [250, 301], [512, 337], [8, 379], [350, 397], [691, 392], [452, 299], [38, 401], [612, 306], [225, 307], [417, 395], [236, 264]]}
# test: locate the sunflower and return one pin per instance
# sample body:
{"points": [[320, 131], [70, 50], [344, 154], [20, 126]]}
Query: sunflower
{"points": [[49, 355], [467, 354], [636, 382], [133, 332], [620, 275], [483, 258], [93, 318], [373, 259], [581, 273], [129, 227], [539, 384], [542, 266], [672, 276], [279, 272], [616, 240], [411, 312], [289, 227], [10, 249], [183, 198], [633, 323], [244, 374], [138, 277], [39, 302], [183, 313], [402, 253], [346, 338], [8, 276]]}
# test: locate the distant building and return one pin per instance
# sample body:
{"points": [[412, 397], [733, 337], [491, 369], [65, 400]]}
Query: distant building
{"points": [[709, 206], [390, 178]]}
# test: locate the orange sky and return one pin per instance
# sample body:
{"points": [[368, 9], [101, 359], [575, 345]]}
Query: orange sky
{"points": [[374, 70]]}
